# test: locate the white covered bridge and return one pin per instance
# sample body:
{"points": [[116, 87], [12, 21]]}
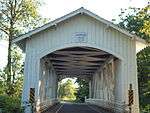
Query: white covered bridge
{"points": [[81, 44]]}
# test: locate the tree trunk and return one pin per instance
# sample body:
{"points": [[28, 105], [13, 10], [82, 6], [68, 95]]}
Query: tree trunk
{"points": [[9, 84], [9, 66]]}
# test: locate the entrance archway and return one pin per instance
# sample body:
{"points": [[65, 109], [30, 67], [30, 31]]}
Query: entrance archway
{"points": [[94, 65]]}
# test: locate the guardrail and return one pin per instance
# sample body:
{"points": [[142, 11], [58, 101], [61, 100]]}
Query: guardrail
{"points": [[115, 106], [38, 107], [42, 106]]}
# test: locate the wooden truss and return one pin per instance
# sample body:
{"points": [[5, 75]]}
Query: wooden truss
{"points": [[78, 60]]}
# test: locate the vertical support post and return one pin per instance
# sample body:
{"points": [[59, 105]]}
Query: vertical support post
{"points": [[90, 89], [55, 96], [94, 86], [31, 74], [49, 83], [119, 95]]}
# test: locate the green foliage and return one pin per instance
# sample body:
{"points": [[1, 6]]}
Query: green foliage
{"points": [[143, 62], [19, 16], [16, 17], [10, 104], [146, 109], [136, 21], [83, 90], [17, 75], [67, 90], [15, 14]]}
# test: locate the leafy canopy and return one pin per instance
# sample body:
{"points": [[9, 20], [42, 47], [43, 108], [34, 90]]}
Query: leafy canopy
{"points": [[67, 90], [83, 90]]}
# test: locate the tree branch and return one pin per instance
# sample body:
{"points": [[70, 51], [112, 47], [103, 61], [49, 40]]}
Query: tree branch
{"points": [[4, 31]]}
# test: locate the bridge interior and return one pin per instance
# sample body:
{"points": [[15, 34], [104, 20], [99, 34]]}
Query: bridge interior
{"points": [[78, 61], [96, 66]]}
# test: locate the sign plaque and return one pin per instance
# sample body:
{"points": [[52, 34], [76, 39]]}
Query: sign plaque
{"points": [[80, 37]]}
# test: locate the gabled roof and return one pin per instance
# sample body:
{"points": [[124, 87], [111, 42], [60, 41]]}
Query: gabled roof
{"points": [[74, 13]]}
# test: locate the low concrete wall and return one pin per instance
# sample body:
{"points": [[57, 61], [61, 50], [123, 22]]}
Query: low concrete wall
{"points": [[117, 107]]}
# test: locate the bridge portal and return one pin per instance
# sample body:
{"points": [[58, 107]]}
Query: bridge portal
{"points": [[81, 44]]}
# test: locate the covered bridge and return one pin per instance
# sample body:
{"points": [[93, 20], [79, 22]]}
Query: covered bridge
{"points": [[81, 44]]}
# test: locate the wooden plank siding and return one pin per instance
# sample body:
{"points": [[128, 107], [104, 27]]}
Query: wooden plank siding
{"points": [[99, 36]]}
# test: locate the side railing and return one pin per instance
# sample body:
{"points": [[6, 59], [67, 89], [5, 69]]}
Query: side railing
{"points": [[115, 106], [42, 106], [38, 106]]}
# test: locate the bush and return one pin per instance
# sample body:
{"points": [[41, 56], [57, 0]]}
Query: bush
{"points": [[10, 104], [145, 109]]}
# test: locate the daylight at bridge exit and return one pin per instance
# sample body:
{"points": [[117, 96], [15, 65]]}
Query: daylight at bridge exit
{"points": [[77, 63]]}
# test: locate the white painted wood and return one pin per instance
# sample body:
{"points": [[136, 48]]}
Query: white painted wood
{"points": [[80, 11], [98, 36]]}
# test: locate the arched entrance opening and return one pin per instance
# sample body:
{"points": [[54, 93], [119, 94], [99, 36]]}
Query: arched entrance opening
{"points": [[97, 67]]}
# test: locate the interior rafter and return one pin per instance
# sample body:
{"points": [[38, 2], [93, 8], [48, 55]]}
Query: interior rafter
{"points": [[77, 60]]}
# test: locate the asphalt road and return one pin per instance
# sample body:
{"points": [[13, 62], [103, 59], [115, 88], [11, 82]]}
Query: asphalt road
{"points": [[75, 108]]}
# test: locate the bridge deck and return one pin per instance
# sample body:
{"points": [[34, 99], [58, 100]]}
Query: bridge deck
{"points": [[75, 108]]}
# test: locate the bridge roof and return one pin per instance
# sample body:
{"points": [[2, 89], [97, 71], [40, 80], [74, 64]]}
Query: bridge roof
{"points": [[72, 14]]}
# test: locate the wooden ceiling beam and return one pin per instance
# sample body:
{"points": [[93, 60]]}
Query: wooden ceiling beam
{"points": [[78, 61], [76, 67], [74, 70], [79, 53], [74, 63], [78, 58], [79, 74]]}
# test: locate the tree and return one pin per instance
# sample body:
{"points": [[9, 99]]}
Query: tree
{"points": [[83, 90], [16, 17], [67, 90], [137, 21], [17, 74], [13, 13], [143, 62]]}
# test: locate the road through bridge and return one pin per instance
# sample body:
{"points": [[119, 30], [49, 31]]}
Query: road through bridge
{"points": [[75, 108], [81, 44]]}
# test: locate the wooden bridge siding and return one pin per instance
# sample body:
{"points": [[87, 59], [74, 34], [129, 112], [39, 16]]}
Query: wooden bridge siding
{"points": [[98, 36]]}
